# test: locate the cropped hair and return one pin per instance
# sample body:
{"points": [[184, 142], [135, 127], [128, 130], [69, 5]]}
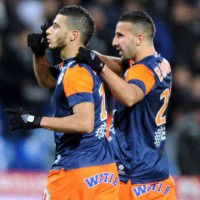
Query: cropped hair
{"points": [[80, 19], [141, 20]]}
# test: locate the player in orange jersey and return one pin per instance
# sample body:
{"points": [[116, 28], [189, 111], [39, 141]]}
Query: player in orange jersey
{"points": [[138, 132], [84, 166]]}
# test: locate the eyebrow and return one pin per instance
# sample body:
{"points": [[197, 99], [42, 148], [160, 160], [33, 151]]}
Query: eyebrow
{"points": [[55, 23]]}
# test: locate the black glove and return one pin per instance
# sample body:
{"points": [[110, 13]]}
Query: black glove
{"points": [[37, 41], [89, 57], [23, 120]]}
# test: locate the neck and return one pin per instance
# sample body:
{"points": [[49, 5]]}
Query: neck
{"points": [[69, 52], [144, 52]]}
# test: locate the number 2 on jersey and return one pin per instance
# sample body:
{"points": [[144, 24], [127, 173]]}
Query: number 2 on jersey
{"points": [[103, 114], [160, 117]]}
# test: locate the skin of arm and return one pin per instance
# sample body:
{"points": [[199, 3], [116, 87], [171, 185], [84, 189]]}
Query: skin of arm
{"points": [[42, 72], [82, 121], [114, 63], [127, 94]]}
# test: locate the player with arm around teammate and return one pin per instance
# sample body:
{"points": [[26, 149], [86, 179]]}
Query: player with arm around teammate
{"points": [[138, 131], [84, 166]]}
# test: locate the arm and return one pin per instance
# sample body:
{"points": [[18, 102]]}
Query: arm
{"points": [[77, 82], [114, 63], [82, 121], [42, 72], [38, 44], [127, 94]]}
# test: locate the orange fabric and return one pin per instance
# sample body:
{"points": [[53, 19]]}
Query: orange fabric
{"points": [[60, 65], [77, 79], [142, 73], [162, 190], [109, 120], [131, 62], [89, 183]]}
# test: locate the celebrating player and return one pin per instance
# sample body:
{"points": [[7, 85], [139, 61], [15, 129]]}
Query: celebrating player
{"points": [[84, 167], [138, 132]]}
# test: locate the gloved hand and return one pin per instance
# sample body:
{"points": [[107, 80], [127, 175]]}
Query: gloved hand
{"points": [[89, 57], [37, 41], [23, 120]]}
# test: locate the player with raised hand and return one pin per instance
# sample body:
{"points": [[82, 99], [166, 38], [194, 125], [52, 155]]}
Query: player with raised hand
{"points": [[84, 167]]}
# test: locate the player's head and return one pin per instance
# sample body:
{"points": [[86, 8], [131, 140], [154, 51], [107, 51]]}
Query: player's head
{"points": [[72, 23], [80, 19], [133, 29], [141, 21]]}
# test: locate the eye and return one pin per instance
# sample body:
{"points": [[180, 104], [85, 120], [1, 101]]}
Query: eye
{"points": [[55, 25], [119, 35]]}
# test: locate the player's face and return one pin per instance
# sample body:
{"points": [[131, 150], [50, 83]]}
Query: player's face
{"points": [[57, 34], [125, 40]]}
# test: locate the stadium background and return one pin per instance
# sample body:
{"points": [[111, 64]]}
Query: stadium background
{"points": [[26, 156]]}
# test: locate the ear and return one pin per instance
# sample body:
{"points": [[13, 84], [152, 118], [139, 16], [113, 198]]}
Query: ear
{"points": [[73, 35], [140, 39]]}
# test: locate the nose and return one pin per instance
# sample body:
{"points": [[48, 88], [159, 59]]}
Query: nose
{"points": [[48, 30], [114, 42]]}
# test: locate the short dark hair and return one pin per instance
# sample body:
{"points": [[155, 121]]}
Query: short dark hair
{"points": [[142, 19], [80, 19]]}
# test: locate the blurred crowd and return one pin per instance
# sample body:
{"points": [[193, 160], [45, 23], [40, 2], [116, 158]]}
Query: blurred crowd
{"points": [[177, 39]]}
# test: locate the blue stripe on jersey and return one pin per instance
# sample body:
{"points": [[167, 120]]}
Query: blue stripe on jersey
{"points": [[80, 98], [139, 83]]}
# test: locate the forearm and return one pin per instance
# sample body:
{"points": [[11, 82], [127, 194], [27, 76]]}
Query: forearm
{"points": [[127, 94], [70, 124], [114, 63], [42, 72]]}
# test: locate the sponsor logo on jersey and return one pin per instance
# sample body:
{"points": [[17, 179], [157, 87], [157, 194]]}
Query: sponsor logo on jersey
{"points": [[157, 187], [101, 131], [105, 177], [160, 135]]}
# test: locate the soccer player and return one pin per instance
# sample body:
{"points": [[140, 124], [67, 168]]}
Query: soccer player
{"points": [[138, 131], [84, 166]]}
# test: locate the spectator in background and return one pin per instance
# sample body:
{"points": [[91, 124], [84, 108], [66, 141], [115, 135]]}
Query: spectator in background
{"points": [[183, 145], [181, 96], [195, 59], [50, 9], [182, 17], [21, 72], [100, 37], [189, 142], [30, 13], [112, 12]]}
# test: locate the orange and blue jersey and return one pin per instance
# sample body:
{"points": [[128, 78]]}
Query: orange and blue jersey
{"points": [[77, 83], [138, 133]]}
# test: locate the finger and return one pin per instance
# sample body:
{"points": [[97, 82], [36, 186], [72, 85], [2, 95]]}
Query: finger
{"points": [[34, 39]]}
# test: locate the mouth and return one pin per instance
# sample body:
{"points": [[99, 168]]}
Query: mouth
{"points": [[120, 53], [48, 41]]}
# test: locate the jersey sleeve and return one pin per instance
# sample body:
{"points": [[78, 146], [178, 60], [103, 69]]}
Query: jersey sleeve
{"points": [[78, 85], [141, 76]]}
